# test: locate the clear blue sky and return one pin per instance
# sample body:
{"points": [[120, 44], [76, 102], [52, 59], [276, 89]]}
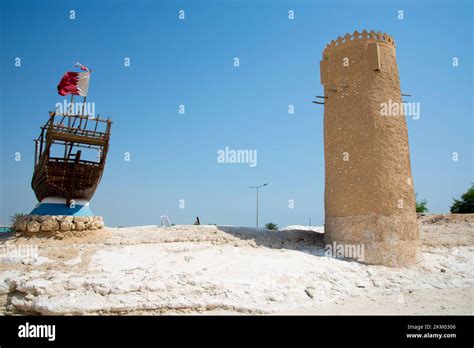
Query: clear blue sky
{"points": [[190, 62]]}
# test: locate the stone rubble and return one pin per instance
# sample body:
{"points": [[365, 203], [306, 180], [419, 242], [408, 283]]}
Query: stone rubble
{"points": [[57, 223]]}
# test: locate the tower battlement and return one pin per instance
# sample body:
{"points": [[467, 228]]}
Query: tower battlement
{"points": [[357, 37]]}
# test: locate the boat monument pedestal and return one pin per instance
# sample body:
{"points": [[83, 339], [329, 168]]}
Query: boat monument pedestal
{"points": [[52, 215]]}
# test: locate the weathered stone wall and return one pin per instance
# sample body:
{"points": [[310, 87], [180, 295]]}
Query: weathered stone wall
{"points": [[369, 195], [57, 223]]}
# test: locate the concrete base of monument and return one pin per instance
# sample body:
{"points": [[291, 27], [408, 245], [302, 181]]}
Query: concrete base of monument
{"points": [[391, 240], [53, 224], [58, 206], [52, 215]]}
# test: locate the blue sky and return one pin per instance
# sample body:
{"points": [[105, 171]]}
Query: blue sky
{"points": [[190, 62]]}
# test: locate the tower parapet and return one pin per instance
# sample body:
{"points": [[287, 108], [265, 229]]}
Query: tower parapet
{"points": [[371, 36]]}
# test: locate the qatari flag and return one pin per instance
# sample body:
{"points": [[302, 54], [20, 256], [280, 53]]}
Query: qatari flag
{"points": [[74, 83]]}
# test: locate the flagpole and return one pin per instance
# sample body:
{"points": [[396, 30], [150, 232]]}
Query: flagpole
{"points": [[84, 105], [85, 97], [68, 111], [71, 108]]}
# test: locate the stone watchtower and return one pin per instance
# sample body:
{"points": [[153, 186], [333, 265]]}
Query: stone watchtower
{"points": [[369, 195]]}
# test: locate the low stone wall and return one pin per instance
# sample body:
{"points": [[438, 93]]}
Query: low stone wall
{"points": [[57, 223]]}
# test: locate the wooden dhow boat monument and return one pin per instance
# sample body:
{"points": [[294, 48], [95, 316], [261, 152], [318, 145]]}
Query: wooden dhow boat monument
{"points": [[70, 153]]}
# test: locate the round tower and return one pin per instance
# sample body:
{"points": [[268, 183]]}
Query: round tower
{"points": [[369, 196]]}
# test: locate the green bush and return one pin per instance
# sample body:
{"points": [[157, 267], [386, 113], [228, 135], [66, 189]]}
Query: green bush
{"points": [[271, 226], [421, 205], [465, 205]]}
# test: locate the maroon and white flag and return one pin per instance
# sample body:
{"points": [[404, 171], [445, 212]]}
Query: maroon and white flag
{"points": [[76, 83]]}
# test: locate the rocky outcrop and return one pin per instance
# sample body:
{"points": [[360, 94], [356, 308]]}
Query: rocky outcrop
{"points": [[57, 223], [228, 270]]}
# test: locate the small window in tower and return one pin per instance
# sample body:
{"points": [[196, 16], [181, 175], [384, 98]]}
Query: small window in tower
{"points": [[373, 53]]}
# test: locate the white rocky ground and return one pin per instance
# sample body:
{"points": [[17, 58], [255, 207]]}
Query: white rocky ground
{"points": [[209, 269]]}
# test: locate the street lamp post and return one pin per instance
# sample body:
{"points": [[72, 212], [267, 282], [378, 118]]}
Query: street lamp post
{"points": [[257, 187]]}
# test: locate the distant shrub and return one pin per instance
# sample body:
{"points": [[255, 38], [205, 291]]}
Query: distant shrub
{"points": [[271, 226], [465, 205], [15, 217], [421, 206]]}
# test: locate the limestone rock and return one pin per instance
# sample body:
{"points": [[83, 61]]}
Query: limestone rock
{"points": [[82, 219], [143, 270], [58, 223], [98, 224], [21, 225], [49, 225], [66, 218], [80, 226], [33, 226], [65, 225]]}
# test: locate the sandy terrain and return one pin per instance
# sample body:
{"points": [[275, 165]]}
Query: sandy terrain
{"points": [[223, 269]]}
